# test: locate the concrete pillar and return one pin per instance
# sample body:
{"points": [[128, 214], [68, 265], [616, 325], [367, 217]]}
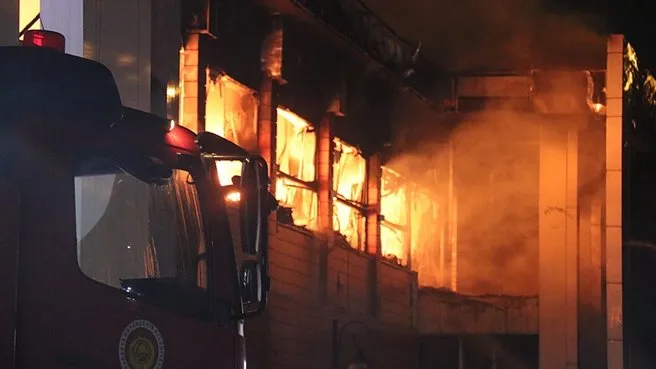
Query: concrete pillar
{"points": [[592, 326], [325, 150], [613, 211], [374, 175], [190, 75], [8, 22], [118, 34], [67, 18], [558, 245]]}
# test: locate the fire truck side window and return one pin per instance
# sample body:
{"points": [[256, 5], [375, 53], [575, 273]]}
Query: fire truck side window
{"points": [[141, 237]]}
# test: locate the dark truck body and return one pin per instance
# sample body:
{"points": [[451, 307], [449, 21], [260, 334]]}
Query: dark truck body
{"points": [[62, 119]]}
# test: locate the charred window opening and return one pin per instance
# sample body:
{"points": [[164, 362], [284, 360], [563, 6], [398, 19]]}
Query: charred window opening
{"points": [[394, 230], [296, 142], [349, 176]]}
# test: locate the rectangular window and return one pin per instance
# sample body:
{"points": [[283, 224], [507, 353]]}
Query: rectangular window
{"points": [[231, 112], [349, 177], [296, 142], [145, 238], [394, 232]]}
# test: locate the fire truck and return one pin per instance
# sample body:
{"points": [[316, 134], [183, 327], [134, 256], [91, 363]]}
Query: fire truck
{"points": [[120, 245]]}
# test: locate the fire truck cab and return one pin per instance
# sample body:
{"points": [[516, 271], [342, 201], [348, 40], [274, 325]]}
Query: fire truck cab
{"points": [[120, 245]]}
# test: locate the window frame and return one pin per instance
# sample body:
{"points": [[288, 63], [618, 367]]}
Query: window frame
{"points": [[358, 206], [313, 185], [208, 296]]}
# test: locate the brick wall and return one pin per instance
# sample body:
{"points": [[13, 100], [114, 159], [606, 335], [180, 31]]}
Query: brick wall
{"points": [[312, 285]]}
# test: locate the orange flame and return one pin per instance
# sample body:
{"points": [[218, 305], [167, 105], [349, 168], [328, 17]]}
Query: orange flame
{"points": [[296, 143], [349, 176]]}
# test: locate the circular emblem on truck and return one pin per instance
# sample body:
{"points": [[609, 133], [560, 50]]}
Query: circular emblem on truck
{"points": [[141, 346]]}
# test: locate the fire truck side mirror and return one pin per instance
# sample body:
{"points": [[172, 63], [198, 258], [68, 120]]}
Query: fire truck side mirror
{"points": [[255, 205], [250, 277]]}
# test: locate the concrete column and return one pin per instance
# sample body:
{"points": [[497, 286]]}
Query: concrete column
{"points": [[373, 204], [190, 75], [613, 213], [592, 344], [117, 33], [8, 22], [374, 175], [325, 150], [558, 245], [67, 18], [266, 124]]}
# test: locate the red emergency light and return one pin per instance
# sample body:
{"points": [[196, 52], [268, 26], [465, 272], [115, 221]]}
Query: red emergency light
{"points": [[41, 38]]}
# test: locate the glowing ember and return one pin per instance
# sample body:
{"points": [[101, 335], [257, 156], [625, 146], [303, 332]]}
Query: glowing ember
{"points": [[233, 196]]}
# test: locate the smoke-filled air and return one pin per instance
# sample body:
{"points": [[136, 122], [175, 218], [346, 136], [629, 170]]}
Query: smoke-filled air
{"points": [[494, 156]]}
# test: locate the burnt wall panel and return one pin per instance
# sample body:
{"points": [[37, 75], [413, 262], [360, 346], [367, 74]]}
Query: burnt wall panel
{"points": [[318, 72], [442, 312], [239, 30], [395, 295]]}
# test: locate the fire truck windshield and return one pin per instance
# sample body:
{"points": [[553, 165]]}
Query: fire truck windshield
{"points": [[143, 238]]}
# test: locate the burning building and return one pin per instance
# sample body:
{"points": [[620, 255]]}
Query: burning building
{"points": [[484, 243], [491, 234]]}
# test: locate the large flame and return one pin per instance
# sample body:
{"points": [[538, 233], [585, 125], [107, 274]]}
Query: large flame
{"points": [[394, 208], [231, 112], [413, 228], [349, 176], [414, 224], [296, 143], [427, 239]]}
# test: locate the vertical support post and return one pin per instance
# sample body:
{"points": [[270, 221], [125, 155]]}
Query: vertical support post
{"points": [[613, 228], [410, 193], [374, 247], [558, 245], [572, 249], [461, 353], [67, 18], [592, 345], [453, 220], [325, 174], [117, 34], [266, 127], [190, 83], [271, 58], [335, 345], [325, 150], [374, 173]]}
